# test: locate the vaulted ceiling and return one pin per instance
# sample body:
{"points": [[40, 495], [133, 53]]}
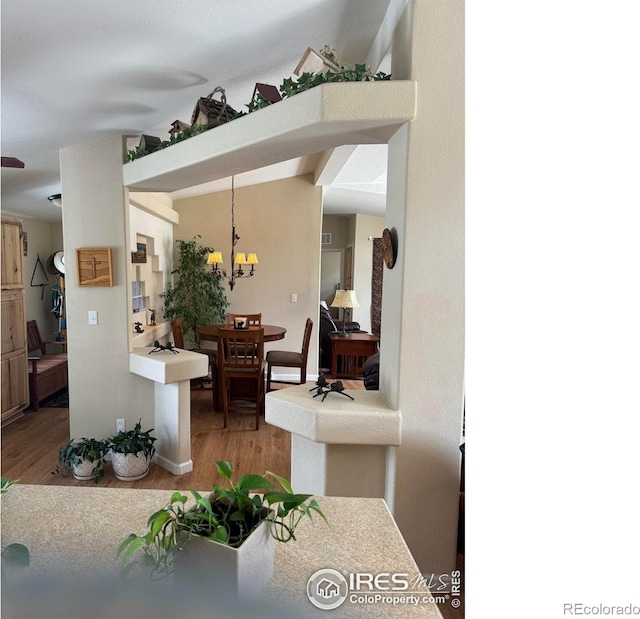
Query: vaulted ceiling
{"points": [[76, 71]]}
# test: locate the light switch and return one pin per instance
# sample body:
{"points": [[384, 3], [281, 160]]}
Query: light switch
{"points": [[93, 317], [294, 298]]}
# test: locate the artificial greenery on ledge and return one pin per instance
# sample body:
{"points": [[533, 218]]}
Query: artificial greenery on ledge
{"points": [[289, 88]]}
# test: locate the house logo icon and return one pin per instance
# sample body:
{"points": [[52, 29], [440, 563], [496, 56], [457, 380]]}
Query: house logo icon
{"points": [[327, 589]]}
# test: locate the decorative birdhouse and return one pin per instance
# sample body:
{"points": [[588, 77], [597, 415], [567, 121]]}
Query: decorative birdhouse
{"points": [[177, 126], [149, 143], [211, 113], [316, 62], [269, 93]]}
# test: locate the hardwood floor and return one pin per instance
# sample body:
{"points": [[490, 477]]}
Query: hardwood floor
{"points": [[30, 452]]}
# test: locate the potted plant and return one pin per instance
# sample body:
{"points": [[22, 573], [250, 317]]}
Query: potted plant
{"points": [[131, 452], [196, 295], [84, 458], [225, 538]]}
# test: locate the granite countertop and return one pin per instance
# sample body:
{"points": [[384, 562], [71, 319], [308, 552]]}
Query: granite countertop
{"points": [[73, 534]]}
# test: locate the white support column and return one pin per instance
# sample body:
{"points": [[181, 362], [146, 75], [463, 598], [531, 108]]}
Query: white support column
{"points": [[171, 374], [173, 427], [422, 338]]}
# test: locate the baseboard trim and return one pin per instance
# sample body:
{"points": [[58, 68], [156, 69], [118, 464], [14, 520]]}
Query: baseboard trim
{"points": [[173, 467]]}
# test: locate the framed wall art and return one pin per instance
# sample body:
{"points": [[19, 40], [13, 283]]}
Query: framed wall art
{"points": [[140, 255], [94, 266]]}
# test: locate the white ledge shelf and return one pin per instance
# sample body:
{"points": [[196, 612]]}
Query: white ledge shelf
{"points": [[324, 117], [365, 420], [166, 367]]}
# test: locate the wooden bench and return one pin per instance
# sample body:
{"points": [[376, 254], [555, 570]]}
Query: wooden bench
{"points": [[47, 372]]}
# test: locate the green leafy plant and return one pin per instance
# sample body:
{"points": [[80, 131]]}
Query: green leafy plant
{"points": [[227, 516], [197, 295], [81, 450], [133, 441], [13, 555]]}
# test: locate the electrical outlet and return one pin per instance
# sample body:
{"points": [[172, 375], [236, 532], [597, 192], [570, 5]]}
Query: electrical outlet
{"points": [[93, 317], [294, 298], [120, 425]]}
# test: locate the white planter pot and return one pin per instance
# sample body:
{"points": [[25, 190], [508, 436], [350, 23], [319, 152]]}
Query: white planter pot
{"points": [[129, 467], [229, 573], [84, 470]]}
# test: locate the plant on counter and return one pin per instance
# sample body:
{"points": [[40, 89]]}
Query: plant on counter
{"points": [[226, 516], [84, 457], [132, 451], [196, 295]]}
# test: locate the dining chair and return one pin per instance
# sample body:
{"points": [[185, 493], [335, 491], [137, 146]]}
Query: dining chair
{"points": [[291, 359], [255, 320], [201, 383], [242, 359]]}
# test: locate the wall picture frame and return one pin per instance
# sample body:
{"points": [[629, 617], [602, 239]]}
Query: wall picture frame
{"points": [[94, 266], [140, 255]]}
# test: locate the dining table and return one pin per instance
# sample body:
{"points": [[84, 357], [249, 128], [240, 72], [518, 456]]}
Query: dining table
{"points": [[209, 333], [272, 333]]}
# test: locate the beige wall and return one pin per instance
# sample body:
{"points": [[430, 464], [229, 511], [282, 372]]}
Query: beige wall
{"points": [[338, 226], [42, 240], [365, 226], [422, 335], [95, 214], [281, 222]]}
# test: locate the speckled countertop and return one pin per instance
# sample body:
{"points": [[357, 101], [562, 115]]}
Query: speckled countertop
{"points": [[73, 533]]}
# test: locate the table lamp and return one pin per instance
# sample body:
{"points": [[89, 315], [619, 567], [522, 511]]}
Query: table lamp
{"points": [[345, 299]]}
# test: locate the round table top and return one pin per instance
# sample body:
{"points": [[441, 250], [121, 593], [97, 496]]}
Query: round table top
{"points": [[271, 332]]}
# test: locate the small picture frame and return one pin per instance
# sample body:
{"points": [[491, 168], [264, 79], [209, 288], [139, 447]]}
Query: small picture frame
{"points": [[140, 255]]}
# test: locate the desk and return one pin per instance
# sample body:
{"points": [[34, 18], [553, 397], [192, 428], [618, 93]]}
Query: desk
{"points": [[74, 567], [354, 349], [209, 333]]}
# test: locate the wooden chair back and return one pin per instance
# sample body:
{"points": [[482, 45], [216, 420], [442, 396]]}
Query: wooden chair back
{"points": [[34, 339], [255, 320], [241, 359], [176, 331], [306, 339], [241, 349]]}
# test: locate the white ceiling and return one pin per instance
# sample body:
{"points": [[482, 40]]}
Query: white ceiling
{"points": [[76, 71]]}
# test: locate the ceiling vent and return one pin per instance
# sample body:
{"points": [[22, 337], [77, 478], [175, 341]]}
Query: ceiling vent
{"points": [[326, 238]]}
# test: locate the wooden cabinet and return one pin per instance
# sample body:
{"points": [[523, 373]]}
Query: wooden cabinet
{"points": [[14, 374]]}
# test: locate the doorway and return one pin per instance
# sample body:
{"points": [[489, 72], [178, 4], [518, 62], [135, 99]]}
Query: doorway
{"points": [[330, 276]]}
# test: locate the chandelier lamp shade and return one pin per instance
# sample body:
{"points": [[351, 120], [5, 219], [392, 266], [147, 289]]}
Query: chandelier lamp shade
{"points": [[347, 300], [239, 261]]}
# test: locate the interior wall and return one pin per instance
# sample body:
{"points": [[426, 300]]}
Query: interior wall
{"points": [[365, 226], [422, 335], [157, 234], [95, 214], [281, 222], [338, 227], [41, 241]]}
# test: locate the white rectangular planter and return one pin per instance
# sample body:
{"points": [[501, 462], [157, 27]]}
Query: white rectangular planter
{"points": [[227, 573]]}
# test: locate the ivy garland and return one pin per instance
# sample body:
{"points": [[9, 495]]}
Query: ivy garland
{"points": [[289, 88]]}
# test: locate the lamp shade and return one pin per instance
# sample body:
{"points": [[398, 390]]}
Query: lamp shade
{"points": [[252, 259], [215, 257], [241, 258], [345, 298]]}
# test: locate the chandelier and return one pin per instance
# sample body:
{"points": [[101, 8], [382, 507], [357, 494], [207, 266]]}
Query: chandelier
{"points": [[240, 260]]}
